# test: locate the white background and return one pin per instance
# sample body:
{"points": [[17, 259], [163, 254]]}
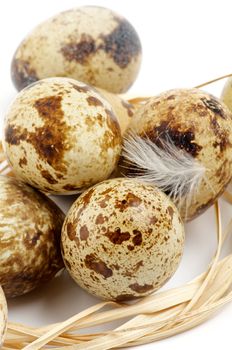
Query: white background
{"points": [[184, 43]]}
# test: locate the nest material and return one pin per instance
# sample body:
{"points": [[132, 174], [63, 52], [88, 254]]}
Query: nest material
{"points": [[155, 317]]}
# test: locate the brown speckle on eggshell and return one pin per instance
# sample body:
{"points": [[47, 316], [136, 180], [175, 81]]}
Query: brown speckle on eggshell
{"points": [[197, 123], [61, 136], [92, 44], [30, 227], [122, 239]]}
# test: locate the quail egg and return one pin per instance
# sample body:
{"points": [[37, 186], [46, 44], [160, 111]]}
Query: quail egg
{"points": [[122, 239], [91, 44], [3, 316], [30, 227], [227, 94], [123, 109], [61, 136], [197, 124]]}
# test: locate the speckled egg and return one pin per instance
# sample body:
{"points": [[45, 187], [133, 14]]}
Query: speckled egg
{"points": [[226, 95], [123, 109], [29, 237], [91, 44], [61, 136], [199, 124], [122, 239], [3, 316], [2, 156]]}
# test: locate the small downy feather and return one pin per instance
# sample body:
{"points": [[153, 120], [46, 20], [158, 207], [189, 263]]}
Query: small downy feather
{"points": [[171, 169]]}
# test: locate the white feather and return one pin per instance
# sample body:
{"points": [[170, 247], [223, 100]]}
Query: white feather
{"points": [[171, 169]]}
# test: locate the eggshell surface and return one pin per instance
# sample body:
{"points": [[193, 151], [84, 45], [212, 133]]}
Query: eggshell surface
{"points": [[227, 94], [61, 136], [123, 109], [91, 44], [30, 227], [199, 124], [122, 239], [3, 316]]}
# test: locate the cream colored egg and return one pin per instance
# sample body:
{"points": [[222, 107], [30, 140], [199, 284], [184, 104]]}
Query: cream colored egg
{"points": [[3, 316], [123, 109], [197, 124], [61, 136], [29, 237], [122, 239], [227, 94], [91, 44]]}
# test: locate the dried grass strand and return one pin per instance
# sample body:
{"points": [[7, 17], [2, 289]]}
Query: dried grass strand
{"points": [[212, 268], [62, 327], [109, 343], [139, 100], [155, 317], [227, 196], [143, 99], [213, 81]]}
